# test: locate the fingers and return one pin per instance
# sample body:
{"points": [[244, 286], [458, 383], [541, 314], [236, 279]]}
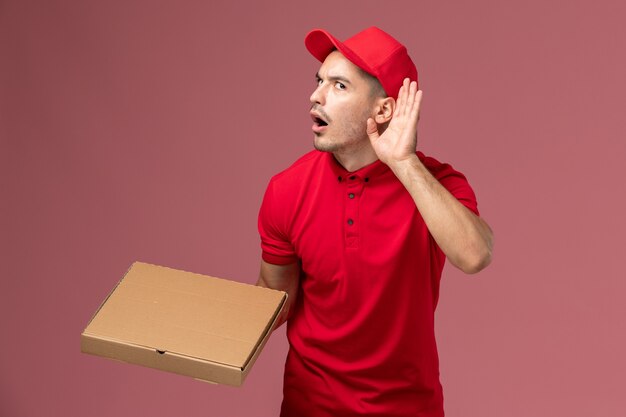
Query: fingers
{"points": [[409, 98], [372, 129], [415, 111], [402, 96]]}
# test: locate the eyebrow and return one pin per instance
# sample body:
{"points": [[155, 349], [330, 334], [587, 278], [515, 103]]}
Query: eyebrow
{"points": [[334, 78]]}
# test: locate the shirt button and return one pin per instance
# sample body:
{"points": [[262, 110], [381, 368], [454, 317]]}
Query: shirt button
{"points": [[352, 177], [351, 195], [350, 222]]}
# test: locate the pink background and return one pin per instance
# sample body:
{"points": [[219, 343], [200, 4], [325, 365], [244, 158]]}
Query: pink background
{"points": [[147, 130]]}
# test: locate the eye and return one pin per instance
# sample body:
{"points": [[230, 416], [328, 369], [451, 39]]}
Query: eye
{"points": [[340, 85], [318, 81]]}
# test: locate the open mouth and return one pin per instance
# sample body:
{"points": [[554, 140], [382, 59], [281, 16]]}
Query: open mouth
{"points": [[319, 122]]}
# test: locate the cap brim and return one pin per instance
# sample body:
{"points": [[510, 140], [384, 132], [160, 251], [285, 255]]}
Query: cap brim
{"points": [[321, 43]]}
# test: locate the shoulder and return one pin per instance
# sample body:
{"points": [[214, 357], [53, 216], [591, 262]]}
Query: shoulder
{"points": [[439, 169], [301, 168], [285, 188], [433, 164], [453, 180]]}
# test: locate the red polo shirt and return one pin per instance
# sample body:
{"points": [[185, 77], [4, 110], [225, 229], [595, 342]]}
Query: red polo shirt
{"points": [[362, 331]]}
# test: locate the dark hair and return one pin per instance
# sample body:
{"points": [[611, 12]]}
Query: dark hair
{"points": [[376, 88]]}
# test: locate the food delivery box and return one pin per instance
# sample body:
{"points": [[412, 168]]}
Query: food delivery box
{"points": [[204, 327]]}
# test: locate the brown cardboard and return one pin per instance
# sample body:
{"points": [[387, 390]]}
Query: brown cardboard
{"points": [[208, 328]]}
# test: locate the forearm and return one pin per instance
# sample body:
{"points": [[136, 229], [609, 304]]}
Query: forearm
{"points": [[465, 238], [282, 278]]}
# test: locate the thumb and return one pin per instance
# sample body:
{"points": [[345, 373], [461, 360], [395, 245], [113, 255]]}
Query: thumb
{"points": [[372, 130]]}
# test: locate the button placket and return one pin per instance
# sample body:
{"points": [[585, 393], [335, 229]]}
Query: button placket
{"points": [[354, 185]]}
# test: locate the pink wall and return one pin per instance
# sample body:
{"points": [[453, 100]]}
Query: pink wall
{"points": [[147, 130]]}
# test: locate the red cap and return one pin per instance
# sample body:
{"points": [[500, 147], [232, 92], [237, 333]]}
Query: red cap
{"points": [[372, 50]]}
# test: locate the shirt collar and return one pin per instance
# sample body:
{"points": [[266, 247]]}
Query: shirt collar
{"points": [[373, 170]]}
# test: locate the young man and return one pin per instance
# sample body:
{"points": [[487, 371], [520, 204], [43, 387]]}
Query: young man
{"points": [[357, 232]]}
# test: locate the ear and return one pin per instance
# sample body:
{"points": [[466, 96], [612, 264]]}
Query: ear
{"points": [[384, 110]]}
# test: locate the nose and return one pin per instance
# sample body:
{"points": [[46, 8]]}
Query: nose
{"points": [[317, 97]]}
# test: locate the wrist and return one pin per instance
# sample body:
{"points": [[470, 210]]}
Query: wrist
{"points": [[410, 171], [404, 164]]}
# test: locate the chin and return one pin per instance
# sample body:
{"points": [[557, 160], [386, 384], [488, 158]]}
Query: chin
{"points": [[322, 145]]}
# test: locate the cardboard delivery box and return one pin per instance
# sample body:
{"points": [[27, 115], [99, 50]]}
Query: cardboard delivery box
{"points": [[208, 328]]}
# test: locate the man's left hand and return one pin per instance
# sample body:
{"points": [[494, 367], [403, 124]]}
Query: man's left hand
{"points": [[398, 142]]}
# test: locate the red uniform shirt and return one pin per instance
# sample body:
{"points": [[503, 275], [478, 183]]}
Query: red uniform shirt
{"points": [[362, 331]]}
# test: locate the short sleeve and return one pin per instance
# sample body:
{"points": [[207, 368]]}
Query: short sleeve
{"points": [[272, 223], [453, 181], [456, 183]]}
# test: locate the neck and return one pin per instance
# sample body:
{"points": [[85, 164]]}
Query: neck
{"points": [[354, 161]]}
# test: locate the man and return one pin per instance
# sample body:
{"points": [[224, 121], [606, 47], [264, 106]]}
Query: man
{"points": [[357, 232]]}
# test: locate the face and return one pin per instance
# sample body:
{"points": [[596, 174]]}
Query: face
{"points": [[341, 105]]}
